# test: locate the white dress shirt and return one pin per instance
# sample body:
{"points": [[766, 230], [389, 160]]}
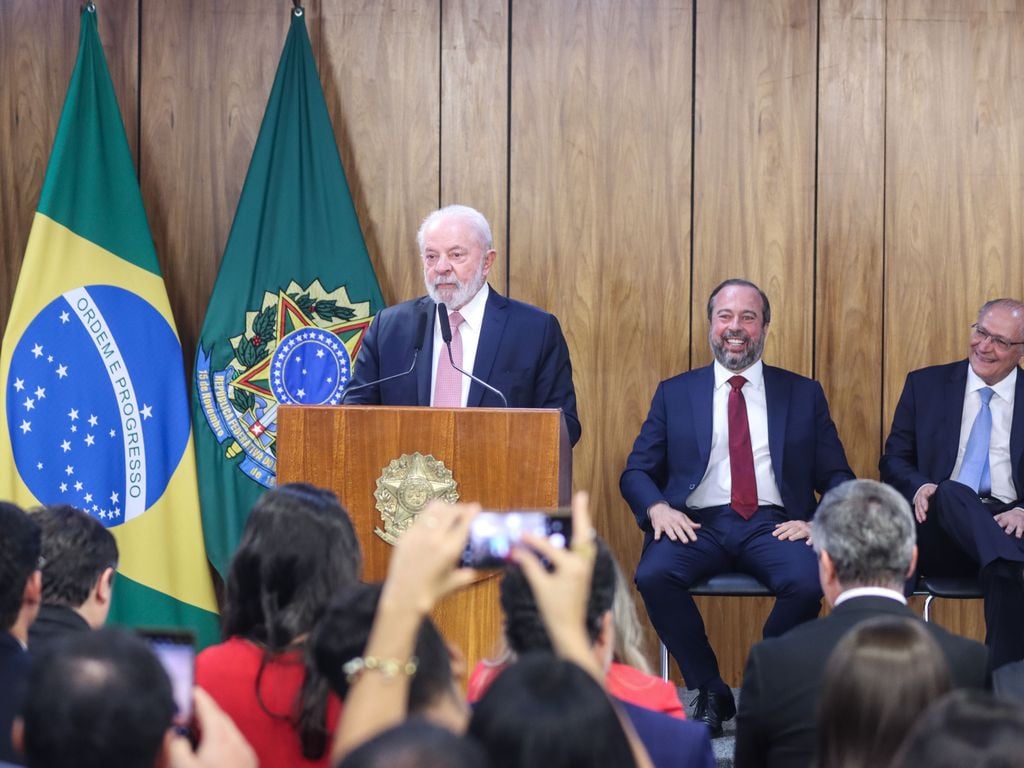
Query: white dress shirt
{"points": [[870, 592], [715, 489], [1001, 406], [472, 321]]}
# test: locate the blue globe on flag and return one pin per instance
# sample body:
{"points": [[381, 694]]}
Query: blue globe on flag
{"points": [[95, 403]]}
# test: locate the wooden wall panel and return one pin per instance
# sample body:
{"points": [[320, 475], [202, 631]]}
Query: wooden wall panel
{"points": [[207, 69], [954, 178], [599, 212], [38, 46], [474, 115], [381, 74], [754, 165], [851, 167]]}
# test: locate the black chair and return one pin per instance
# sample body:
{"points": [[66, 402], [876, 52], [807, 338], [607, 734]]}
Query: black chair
{"points": [[949, 587], [721, 585]]}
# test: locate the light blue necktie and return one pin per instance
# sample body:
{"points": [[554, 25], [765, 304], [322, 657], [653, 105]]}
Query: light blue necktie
{"points": [[975, 471]]}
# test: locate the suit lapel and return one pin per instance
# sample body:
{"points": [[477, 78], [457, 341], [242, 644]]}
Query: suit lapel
{"points": [[952, 413], [1017, 434], [491, 331], [425, 362], [776, 395], [702, 406]]}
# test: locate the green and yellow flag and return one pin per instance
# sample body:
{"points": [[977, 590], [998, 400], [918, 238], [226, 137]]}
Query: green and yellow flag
{"points": [[293, 297], [94, 408]]}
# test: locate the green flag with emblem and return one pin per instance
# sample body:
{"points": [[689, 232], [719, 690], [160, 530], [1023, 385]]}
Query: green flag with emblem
{"points": [[294, 295]]}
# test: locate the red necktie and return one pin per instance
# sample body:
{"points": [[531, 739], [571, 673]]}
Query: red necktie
{"points": [[448, 385], [741, 455]]}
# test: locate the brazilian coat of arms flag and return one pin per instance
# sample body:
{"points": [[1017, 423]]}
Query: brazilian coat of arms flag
{"points": [[293, 297], [94, 408]]}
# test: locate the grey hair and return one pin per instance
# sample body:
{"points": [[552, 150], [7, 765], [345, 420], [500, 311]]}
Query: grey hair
{"points": [[471, 216], [867, 529], [1012, 306]]}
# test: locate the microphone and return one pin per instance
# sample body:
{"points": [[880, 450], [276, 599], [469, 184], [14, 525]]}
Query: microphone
{"points": [[421, 329], [446, 337]]}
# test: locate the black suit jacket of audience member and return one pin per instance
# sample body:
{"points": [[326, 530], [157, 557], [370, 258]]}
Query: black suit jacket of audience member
{"points": [[53, 623], [777, 721], [14, 667]]}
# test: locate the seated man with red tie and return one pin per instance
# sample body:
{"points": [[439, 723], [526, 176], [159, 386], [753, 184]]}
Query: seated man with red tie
{"points": [[515, 352], [722, 478], [956, 452]]}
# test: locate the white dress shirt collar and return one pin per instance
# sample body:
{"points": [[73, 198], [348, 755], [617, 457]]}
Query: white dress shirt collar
{"points": [[850, 594]]}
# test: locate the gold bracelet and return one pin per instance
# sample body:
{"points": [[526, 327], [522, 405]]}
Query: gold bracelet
{"points": [[390, 668]]}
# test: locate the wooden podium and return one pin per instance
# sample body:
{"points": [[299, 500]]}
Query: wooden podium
{"points": [[502, 458]]}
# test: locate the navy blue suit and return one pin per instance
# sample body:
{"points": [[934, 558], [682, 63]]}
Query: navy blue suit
{"points": [[521, 352], [670, 742], [959, 536], [669, 460]]}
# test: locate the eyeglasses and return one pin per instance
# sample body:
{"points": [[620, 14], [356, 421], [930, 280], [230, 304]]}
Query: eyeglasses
{"points": [[1003, 344]]}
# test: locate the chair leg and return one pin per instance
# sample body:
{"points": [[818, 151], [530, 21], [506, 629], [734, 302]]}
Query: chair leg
{"points": [[664, 662], [928, 607]]}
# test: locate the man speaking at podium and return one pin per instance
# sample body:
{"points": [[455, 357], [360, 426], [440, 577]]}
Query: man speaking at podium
{"points": [[515, 352]]}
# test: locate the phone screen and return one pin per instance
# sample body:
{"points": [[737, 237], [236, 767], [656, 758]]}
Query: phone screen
{"points": [[177, 654], [493, 535]]}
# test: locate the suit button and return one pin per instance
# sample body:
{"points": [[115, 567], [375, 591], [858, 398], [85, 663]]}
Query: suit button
{"points": [[692, 486]]}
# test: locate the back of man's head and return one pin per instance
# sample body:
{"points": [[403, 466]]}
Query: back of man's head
{"points": [[524, 627], [867, 529], [99, 699], [77, 550], [19, 559], [416, 743]]}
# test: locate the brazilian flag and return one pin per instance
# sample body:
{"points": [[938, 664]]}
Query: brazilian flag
{"points": [[294, 295], [94, 406]]}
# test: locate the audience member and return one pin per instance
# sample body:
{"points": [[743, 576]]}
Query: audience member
{"points": [[102, 699], [723, 477], [880, 677], [79, 561], [965, 728], [20, 590], [669, 742], [633, 684], [629, 676], [863, 533], [342, 635], [954, 452], [423, 569], [416, 743], [298, 550], [547, 711]]}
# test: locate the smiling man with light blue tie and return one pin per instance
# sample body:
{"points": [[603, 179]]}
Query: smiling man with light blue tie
{"points": [[956, 451]]}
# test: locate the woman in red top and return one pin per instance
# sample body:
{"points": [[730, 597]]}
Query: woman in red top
{"points": [[297, 551]]}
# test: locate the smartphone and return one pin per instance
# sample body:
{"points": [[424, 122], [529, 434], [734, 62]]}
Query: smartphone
{"points": [[176, 650], [492, 535]]}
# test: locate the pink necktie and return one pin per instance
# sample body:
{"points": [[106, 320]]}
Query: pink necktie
{"points": [[448, 386], [741, 454]]}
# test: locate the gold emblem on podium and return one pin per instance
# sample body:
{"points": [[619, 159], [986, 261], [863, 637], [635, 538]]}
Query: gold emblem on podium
{"points": [[405, 487]]}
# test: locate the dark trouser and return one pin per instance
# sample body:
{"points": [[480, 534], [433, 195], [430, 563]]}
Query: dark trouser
{"points": [[725, 543], [960, 537]]}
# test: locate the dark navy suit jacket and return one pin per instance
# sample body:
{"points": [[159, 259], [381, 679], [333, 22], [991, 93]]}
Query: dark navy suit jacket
{"points": [[521, 352], [670, 742], [776, 725], [670, 456], [925, 436]]}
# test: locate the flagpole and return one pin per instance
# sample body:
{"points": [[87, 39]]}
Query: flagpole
{"points": [[297, 9], [89, 6]]}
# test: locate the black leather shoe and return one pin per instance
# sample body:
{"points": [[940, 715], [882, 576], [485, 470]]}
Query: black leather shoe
{"points": [[713, 709]]}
